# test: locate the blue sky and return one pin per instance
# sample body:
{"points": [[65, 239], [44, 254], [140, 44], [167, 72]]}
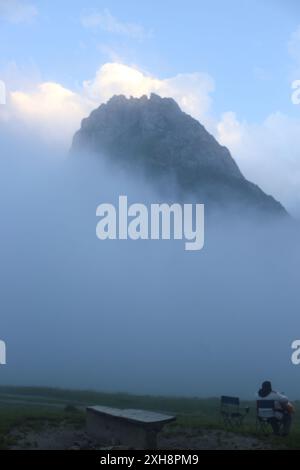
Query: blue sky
{"points": [[242, 44], [247, 53]]}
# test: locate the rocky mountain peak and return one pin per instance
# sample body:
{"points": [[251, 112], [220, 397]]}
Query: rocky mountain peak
{"points": [[156, 135]]}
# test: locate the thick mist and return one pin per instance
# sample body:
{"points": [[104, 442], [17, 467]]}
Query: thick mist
{"points": [[137, 316]]}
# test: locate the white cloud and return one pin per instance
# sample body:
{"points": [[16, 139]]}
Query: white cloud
{"points": [[267, 152], [57, 111], [107, 22], [17, 11], [294, 45], [191, 91], [52, 110], [294, 53], [111, 54], [229, 130]]}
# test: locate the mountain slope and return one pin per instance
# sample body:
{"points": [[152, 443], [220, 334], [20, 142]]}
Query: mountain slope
{"points": [[153, 134]]}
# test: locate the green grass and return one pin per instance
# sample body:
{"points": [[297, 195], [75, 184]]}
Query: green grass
{"points": [[121, 400], [33, 418], [49, 405]]}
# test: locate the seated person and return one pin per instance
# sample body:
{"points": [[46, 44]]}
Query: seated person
{"points": [[283, 409]]}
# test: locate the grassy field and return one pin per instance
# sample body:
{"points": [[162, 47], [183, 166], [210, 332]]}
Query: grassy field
{"points": [[31, 406]]}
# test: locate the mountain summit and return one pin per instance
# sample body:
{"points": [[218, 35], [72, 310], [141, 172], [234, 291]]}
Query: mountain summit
{"points": [[153, 134]]}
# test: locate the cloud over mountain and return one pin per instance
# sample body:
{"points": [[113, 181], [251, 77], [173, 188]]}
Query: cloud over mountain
{"points": [[48, 105], [266, 151]]}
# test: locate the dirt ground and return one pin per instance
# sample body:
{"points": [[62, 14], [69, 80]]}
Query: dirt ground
{"points": [[68, 437], [201, 439]]}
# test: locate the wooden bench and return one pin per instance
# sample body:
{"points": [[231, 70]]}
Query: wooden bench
{"points": [[133, 428]]}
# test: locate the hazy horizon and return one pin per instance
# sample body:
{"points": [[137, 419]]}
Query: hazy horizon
{"points": [[143, 317]]}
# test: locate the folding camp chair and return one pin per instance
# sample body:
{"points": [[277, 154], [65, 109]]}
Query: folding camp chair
{"points": [[265, 415], [231, 413]]}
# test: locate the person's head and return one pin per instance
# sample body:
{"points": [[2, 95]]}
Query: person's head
{"points": [[266, 389]]}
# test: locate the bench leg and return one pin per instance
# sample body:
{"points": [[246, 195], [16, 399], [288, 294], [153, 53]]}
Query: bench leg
{"points": [[151, 439]]}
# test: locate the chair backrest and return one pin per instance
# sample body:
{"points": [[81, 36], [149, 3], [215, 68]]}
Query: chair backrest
{"points": [[229, 403], [265, 409]]}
